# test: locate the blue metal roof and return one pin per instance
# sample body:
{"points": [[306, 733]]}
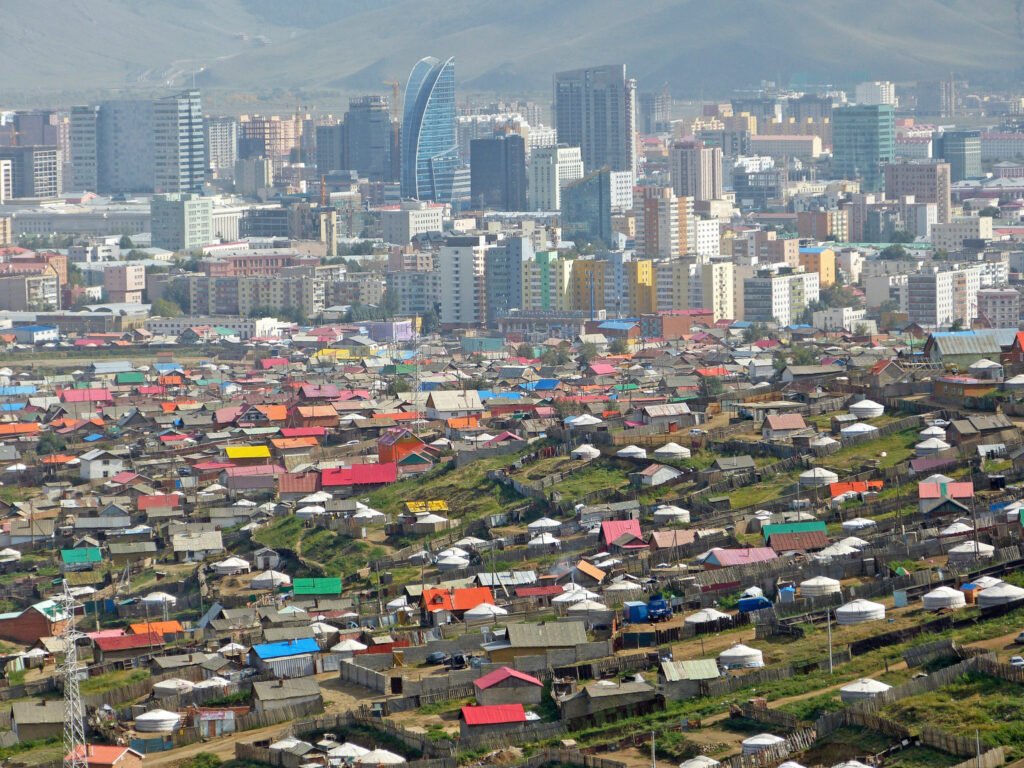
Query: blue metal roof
{"points": [[616, 325], [92, 438], [12, 406], [34, 328], [286, 648], [540, 384], [18, 390]]}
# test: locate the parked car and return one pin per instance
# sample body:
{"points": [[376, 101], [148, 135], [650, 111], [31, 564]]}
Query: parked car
{"points": [[1017, 661], [1020, 639], [437, 657]]}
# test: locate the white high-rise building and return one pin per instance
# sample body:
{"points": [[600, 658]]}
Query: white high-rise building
{"points": [[999, 307], [552, 169], [461, 263], [937, 298], [950, 236], [780, 296], [875, 93], [221, 135], [707, 237]]}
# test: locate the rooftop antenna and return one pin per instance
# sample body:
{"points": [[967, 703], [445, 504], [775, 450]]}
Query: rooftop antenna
{"points": [[74, 727]]}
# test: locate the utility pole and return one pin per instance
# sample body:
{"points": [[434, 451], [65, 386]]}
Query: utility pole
{"points": [[74, 726], [828, 619]]}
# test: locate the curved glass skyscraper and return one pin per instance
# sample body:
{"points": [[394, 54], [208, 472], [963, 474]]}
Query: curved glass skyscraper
{"points": [[429, 142]]}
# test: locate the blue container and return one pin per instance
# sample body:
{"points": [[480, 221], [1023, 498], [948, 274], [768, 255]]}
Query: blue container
{"points": [[748, 604], [636, 611]]}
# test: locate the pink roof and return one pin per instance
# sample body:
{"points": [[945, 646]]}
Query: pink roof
{"points": [[360, 474], [303, 431], [86, 396], [501, 674], [159, 501], [945, 490], [494, 714], [744, 556], [259, 469], [613, 529], [602, 369]]}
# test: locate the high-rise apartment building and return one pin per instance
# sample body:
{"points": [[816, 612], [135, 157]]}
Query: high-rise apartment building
{"points": [[546, 281], [498, 173], [595, 109], [654, 112], [927, 181], [664, 223], [430, 153], [369, 137], [124, 146], [696, 170], [331, 148], [124, 283], [962, 150], [83, 141], [779, 296], [179, 151], [461, 264], [220, 137], [181, 221], [552, 169], [269, 136], [937, 298], [823, 225], [863, 141], [6, 236], [641, 295], [503, 276], [36, 171], [6, 180], [875, 93], [587, 285], [401, 223], [587, 209], [999, 307]]}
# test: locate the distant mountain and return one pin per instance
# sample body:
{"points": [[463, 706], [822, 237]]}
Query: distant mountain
{"points": [[697, 46]]}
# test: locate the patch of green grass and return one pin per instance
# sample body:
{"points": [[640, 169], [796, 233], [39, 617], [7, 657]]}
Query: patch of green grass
{"points": [[922, 757], [811, 709], [898, 447], [993, 707], [112, 680], [593, 478], [441, 707], [284, 532], [34, 752], [844, 744], [757, 493]]}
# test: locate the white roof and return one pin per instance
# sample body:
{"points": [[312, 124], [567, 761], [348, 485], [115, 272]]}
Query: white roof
{"points": [[485, 609], [705, 615], [348, 645], [866, 685], [860, 428], [544, 523], [380, 757]]}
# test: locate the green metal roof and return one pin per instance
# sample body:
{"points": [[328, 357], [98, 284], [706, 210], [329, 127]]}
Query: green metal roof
{"points": [[317, 586], [802, 527], [81, 555], [130, 377]]}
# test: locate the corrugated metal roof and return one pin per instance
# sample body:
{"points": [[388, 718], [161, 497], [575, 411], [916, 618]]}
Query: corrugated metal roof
{"points": [[550, 635], [697, 669]]}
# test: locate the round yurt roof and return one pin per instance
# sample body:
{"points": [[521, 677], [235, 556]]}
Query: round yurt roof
{"points": [[790, 764], [173, 684], [858, 524], [932, 444], [673, 449], [542, 540], [380, 757], [585, 420], [938, 478], [276, 578], [452, 562], [763, 740], [740, 652], [231, 648], [836, 550], [160, 597], [851, 764], [943, 597], [348, 749], [821, 474], [232, 562], [632, 452], [954, 529], [212, 682], [323, 628], [1001, 593], [859, 428], [157, 720], [984, 582], [866, 685], [867, 409], [752, 592], [983, 364], [585, 451], [348, 645], [705, 616], [824, 441], [859, 610], [484, 610], [453, 552], [700, 761], [587, 605], [932, 432], [575, 596], [544, 523], [853, 541], [972, 548], [820, 581]]}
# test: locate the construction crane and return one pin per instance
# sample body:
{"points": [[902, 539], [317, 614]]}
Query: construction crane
{"points": [[74, 716], [396, 88]]}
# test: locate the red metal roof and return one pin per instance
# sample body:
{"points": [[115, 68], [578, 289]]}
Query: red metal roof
{"points": [[740, 556], [786, 421], [456, 599], [128, 642], [798, 541], [303, 431], [494, 714], [501, 674], [613, 529], [945, 490], [549, 591], [360, 474], [159, 502]]}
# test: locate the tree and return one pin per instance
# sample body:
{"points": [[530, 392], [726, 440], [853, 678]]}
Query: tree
{"points": [[525, 351], [895, 252], [136, 255], [555, 356], [711, 386], [389, 304], [956, 325], [902, 236], [165, 308], [990, 211], [588, 351], [860, 330], [429, 322], [619, 347], [49, 443], [754, 332], [177, 291], [126, 242]]}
